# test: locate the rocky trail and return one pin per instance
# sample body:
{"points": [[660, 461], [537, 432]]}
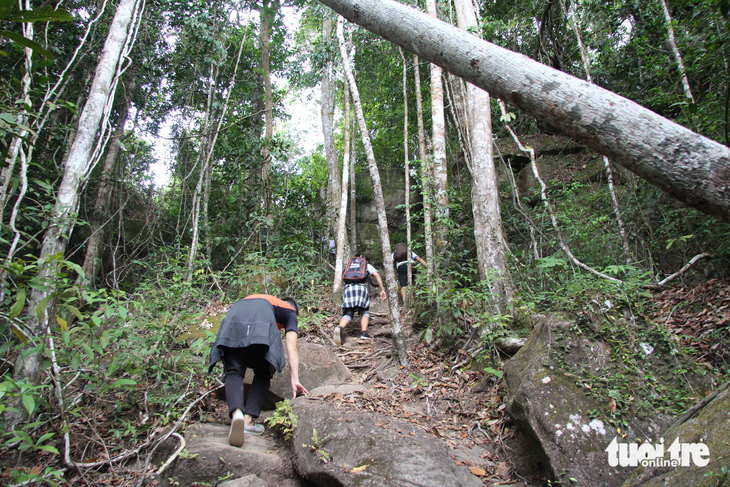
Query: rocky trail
{"points": [[370, 422], [374, 423]]}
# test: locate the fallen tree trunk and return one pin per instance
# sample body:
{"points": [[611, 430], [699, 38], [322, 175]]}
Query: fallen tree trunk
{"points": [[688, 166]]}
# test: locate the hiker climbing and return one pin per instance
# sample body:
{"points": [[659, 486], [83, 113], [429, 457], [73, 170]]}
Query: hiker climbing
{"points": [[356, 296], [249, 337], [400, 259]]}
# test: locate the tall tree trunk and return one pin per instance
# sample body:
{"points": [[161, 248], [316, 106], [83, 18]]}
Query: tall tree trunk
{"points": [[426, 173], [399, 339], [343, 199], [100, 212], [76, 171], [441, 197], [488, 233], [267, 14], [407, 172], [353, 190], [688, 166], [328, 122], [352, 161]]}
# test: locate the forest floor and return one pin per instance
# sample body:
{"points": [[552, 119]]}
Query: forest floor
{"points": [[466, 408], [439, 391]]}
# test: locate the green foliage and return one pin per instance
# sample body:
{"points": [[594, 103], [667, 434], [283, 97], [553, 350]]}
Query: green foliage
{"points": [[317, 446], [283, 419]]}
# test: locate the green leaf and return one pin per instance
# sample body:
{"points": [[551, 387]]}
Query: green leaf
{"points": [[42, 307], [124, 382], [492, 371], [49, 448], [44, 438], [104, 340], [19, 333], [24, 41], [19, 304], [62, 323], [28, 403]]}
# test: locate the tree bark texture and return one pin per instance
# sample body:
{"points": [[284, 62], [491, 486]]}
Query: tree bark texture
{"points": [[426, 177], [342, 219], [63, 215], [268, 11], [441, 195], [399, 339], [488, 232], [688, 166], [92, 259], [328, 122]]}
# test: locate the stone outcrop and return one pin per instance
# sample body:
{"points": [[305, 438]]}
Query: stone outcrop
{"points": [[707, 423], [318, 366], [352, 449], [550, 384], [210, 460]]}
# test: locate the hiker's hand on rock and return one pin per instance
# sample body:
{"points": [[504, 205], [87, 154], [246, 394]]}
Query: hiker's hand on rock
{"points": [[298, 389], [383, 296]]}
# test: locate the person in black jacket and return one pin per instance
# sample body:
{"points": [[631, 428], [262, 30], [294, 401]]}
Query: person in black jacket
{"points": [[249, 337]]}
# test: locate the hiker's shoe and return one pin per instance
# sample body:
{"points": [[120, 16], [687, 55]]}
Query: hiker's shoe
{"points": [[365, 336], [338, 336], [256, 429], [235, 435]]}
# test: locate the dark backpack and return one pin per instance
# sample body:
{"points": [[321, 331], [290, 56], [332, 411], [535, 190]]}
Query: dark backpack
{"points": [[356, 271], [400, 252]]}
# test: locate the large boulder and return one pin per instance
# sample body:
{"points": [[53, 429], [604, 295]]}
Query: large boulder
{"points": [[355, 449], [559, 392], [708, 423], [318, 366]]}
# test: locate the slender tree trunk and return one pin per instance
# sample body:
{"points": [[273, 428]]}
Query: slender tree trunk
{"points": [[353, 190], [76, 170], [677, 55], [338, 285], [399, 339], [426, 173], [407, 174], [205, 169], [688, 166], [100, 213], [488, 233], [17, 142], [328, 122], [441, 199], [202, 160], [267, 13]]}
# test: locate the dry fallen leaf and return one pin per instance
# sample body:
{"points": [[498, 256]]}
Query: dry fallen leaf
{"points": [[479, 471], [502, 469], [360, 469], [612, 404]]}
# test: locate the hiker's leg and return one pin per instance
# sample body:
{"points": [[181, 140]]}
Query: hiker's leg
{"points": [[403, 280], [261, 382], [347, 315], [235, 367], [364, 318]]}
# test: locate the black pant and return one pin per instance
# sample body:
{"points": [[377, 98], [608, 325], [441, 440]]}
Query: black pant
{"points": [[235, 362]]}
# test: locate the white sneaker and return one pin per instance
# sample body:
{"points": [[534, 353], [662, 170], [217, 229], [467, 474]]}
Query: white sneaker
{"points": [[338, 336], [235, 435]]}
